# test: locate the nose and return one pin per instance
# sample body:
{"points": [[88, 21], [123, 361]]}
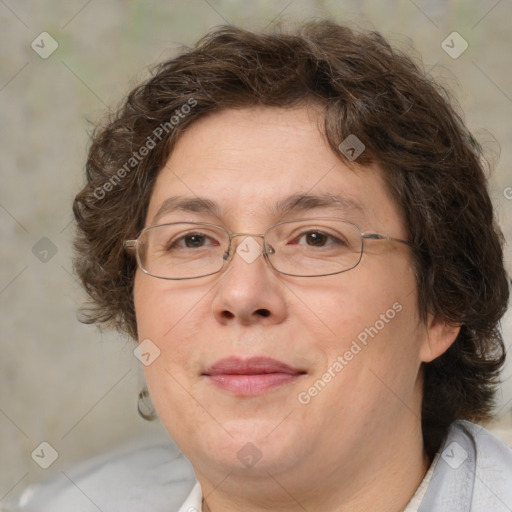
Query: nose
{"points": [[249, 291]]}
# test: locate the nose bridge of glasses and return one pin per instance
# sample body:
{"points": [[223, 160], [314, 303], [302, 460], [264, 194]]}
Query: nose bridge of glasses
{"points": [[233, 235]]}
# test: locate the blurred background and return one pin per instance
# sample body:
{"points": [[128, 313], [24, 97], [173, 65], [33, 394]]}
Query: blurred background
{"points": [[62, 65]]}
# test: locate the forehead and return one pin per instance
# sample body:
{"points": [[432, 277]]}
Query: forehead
{"points": [[252, 165]]}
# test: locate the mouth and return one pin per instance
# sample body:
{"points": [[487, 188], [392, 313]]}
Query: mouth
{"points": [[250, 377]]}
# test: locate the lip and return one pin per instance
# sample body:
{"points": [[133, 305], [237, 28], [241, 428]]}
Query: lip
{"points": [[253, 376]]}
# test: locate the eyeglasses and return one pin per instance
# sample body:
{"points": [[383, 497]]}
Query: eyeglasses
{"points": [[301, 248]]}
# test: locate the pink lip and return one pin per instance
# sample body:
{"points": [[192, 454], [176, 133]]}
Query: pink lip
{"points": [[246, 377]]}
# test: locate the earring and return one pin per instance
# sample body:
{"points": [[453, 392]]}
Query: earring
{"points": [[145, 406]]}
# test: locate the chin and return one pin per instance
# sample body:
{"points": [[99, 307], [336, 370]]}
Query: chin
{"points": [[254, 444]]}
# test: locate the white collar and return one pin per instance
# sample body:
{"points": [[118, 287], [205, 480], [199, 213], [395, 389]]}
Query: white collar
{"points": [[416, 500], [194, 501]]}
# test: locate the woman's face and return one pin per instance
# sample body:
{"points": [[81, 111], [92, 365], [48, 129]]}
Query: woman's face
{"points": [[343, 352]]}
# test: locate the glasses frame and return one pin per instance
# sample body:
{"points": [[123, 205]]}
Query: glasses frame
{"points": [[132, 245]]}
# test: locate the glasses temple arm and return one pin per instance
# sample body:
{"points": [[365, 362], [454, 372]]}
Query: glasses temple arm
{"points": [[376, 236]]}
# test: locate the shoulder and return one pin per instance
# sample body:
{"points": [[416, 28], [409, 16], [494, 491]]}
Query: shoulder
{"points": [[491, 453], [493, 471], [473, 473], [153, 478]]}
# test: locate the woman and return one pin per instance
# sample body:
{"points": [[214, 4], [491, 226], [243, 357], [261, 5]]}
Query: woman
{"points": [[296, 230]]}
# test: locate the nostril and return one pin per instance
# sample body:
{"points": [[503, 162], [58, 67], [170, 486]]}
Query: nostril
{"points": [[228, 314], [263, 312]]}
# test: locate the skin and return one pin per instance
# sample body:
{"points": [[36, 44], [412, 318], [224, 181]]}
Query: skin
{"points": [[358, 442]]}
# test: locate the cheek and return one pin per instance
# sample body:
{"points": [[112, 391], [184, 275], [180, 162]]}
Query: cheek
{"points": [[372, 358], [157, 313], [160, 306], [165, 323], [176, 317], [371, 317]]}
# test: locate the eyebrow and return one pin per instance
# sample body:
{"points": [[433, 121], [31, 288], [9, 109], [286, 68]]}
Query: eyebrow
{"points": [[186, 204], [295, 203], [306, 202]]}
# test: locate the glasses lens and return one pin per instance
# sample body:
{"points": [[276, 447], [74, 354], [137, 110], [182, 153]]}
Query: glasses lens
{"points": [[314, 247], [182, 250]]}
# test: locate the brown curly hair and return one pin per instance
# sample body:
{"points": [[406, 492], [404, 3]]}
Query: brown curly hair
{"points": [[431, 164]]}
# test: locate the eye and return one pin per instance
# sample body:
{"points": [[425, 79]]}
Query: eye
{"points": [[317, 239], [191, 241]]}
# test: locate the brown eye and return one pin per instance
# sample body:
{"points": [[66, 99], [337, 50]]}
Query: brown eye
{"points": [[194, 240], [315, 238], [191, 241]]}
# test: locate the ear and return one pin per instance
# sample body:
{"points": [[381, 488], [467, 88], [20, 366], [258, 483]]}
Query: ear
{"points": [[439, 336]]}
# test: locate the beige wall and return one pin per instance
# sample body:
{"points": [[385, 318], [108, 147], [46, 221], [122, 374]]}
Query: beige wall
{"points": [[66, 383]]}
